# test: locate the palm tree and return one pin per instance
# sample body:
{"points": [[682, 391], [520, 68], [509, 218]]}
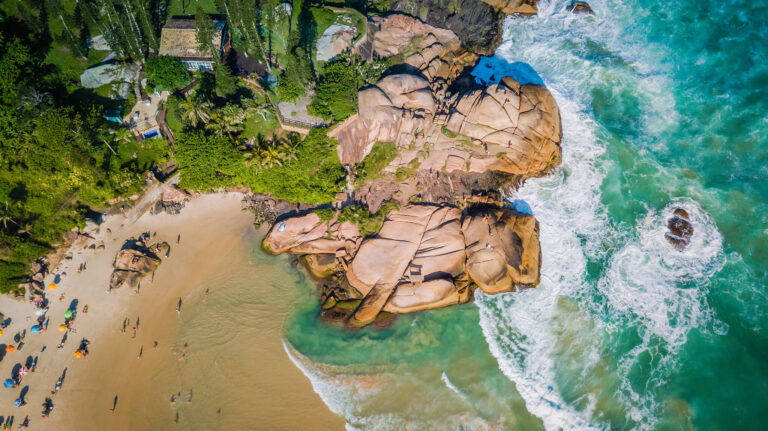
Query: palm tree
{"points": [[6, 217], [25, 229], [122, 135], [255, 109], [194, 112], [226, 121]]}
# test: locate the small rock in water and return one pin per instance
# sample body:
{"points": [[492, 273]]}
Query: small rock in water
{"points": [[680, 229], [580, 7]]}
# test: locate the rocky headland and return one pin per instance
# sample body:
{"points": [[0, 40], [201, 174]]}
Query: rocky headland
{"points": [[434, 227]]}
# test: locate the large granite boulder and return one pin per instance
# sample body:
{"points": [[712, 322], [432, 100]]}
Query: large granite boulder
{"points": [[435, 52], [308, 234], [336, 39], [397, 104], [517, 125], [438, 293], [515, 7], [131, 265], [415, 244], [476, 23], [503, 251]]}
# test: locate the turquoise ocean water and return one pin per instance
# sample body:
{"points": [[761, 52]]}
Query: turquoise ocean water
{"points": [[664, 105]]}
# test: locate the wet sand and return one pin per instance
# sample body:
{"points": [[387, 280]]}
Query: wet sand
{"points": [[233, 372]]}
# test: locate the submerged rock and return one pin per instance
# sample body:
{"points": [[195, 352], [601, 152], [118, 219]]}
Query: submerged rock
{"points": [[580, 7], [680, 229]]}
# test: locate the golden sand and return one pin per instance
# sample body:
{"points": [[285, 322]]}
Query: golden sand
{"points": [[222, 352]]}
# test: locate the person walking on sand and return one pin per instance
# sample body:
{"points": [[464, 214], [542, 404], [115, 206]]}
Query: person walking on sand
{"points": [[25, 424], [178, 239], [56, 388], [178, 307]]}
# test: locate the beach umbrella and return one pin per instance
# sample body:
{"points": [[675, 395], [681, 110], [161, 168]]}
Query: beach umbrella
{"points": [[68, 313], [10, 348], [78, 353], [23, 371], [9, 383], [52, 286], [62, 327], [1, 332], [35, 329]]}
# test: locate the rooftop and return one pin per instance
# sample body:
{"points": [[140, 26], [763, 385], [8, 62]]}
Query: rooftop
{"points": [[179, 38]]}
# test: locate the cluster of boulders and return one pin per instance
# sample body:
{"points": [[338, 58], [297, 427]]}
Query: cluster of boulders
{"points": [[134, 262], [505, 127], [424, 257]]}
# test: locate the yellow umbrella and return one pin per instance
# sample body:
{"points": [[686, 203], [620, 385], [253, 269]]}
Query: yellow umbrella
{"points": [[62, 327], [52, 286], [78, 354], [1, 332]]}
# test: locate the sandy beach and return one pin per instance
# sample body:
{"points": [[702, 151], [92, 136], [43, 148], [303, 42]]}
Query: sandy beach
{"points": [[226, 373]]}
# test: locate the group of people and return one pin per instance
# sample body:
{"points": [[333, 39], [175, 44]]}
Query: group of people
{"points": [[8, 424]]}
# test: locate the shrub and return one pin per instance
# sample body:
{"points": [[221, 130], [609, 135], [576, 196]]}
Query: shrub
{"points": [[166, 72], [380, 157]]}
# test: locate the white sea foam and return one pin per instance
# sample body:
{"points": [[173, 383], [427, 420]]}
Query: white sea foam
{"points": [[366, 401], [521, 328]]}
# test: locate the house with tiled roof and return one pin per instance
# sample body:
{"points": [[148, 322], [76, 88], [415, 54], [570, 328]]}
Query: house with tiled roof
{"points": [[178, 38]]}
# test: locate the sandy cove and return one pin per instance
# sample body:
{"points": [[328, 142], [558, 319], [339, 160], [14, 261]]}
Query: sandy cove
{"points": [[209, 225]]}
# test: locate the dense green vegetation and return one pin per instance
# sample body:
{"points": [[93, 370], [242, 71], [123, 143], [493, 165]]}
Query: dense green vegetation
{"points": [[369, 224], [380, 156], [59, 156], [166, 73], [313, 173]]}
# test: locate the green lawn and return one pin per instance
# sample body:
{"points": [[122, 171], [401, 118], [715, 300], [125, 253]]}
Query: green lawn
{"points": [[173, 122], [256, 125], [188, 7]]}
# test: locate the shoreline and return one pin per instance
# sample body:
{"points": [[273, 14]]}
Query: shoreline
{"points": [[211, 226]]}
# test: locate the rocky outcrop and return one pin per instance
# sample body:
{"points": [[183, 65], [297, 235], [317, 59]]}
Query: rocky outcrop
{"points": [[134, 263], [424, 256], [515, 7], [435, 52], [477, 24], [503, 252], [307, 234], [417, 243], [172, 200], [336, 39], [518, 127], [680, 229], [397, 104], [505, 127]]}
